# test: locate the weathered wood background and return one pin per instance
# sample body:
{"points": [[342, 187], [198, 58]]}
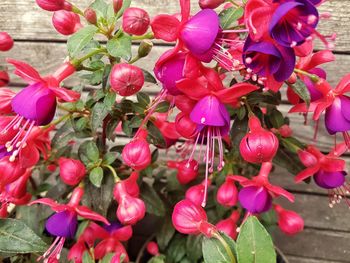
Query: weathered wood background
{"points": [[327, 234]]}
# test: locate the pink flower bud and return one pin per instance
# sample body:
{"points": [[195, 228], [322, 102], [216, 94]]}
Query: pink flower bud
{"points": [[135, 21], [152, 248], [259, 145], [187, 170], [285, 131], [196, 193], [66, 22], [289, 221], [189, 218], [54, 5], [4, 78], [227, 194], [126, 79], [6, 41], [117, 5], [131, 184], [71, 171], [90, 15], [185, 126], [212, 4], [6, 96], [130, 209], [229, 225], [10, 171], [137, 153]]}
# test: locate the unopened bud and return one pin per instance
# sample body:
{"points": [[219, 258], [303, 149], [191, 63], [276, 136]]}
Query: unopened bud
{"points": [[117, 5], [90, 16], [145, 48]]}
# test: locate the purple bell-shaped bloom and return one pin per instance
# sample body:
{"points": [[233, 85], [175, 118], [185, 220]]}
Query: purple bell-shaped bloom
{"points": [[337, 117], [330, 180], [62, 224], [255, 199], [293, 22]]}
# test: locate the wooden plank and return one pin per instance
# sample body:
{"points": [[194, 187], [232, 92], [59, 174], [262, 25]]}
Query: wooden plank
{"points": [[326, 245], [293, 259]]}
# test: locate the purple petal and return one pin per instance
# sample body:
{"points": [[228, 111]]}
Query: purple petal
{"points": [[335, 120], [112, 227], [287, 64], [329, 180], [345, 106], [255, 199], [200, 32], [62, 224], [36, 103], [314, 93]]}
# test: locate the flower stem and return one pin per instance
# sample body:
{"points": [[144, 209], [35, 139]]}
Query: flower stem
{"points": [[77, 62], [313, 77], [226, 246], [133, 60], [77, 10], [146, 36], [114, 173], [55, 122]]}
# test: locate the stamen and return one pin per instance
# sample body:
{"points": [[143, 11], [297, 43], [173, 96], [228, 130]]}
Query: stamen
{"points": [[204, 202]]}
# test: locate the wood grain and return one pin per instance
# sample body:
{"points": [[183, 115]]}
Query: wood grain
{"points": [[293, 259]]}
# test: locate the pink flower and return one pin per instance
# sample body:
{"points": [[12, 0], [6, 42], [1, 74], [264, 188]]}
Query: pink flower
{"points": [[289, 221], [212, 4], [66, 22], [6, 41], [196, 193], [187, 170], [227, 194], [135, 21], [71, 171], [54, 5], [229, 225], [10, 171]]}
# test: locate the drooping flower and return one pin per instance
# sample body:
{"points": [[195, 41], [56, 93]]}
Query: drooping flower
{"points": [[328, 171], [35, 105], [66, 22], [6, 41], [63, 224], [290, 222], [10, 171], [167, 129], [257, 193], [259, 145]]}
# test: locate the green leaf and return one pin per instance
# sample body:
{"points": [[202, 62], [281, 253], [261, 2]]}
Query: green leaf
{"points": [[177, 249], [165, 233], [238, 131], [155, 136], [96, 176], [101, 110], [276, 118], [87, 258], [109, 157], [107, 258], [16, 237], [120, 47], [143, 99], [154, 204], [229, 16], [288, 161], [254, 244], [163, 107], [100, 7], [194, 247], [88, 152], [157, 259], [214, 251], [149, 77], [80, 39], [302, 91]]}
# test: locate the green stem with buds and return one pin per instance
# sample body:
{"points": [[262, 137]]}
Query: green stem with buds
{"points": [[313, 77]]}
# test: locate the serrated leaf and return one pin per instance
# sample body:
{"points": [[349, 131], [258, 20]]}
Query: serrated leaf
{"points": [[80, 39], [88, 152], [96, 176], [154, 205], [254, 244], [229, 16], [302, 91], [120, 47], [214, 251], [17, 238]]}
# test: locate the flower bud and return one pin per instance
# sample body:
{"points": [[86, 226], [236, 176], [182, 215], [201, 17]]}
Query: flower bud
{"points": [[117, 5], [229, 225], [135, 21], [4, 78], [187, 170], [255, 199], [185, 126], [189, 218], [66, 22], [130, 209], [71, 171], [6, 96], [259, 145], [145, 48], [90, 15], [152, 248], [289, 222], [131, 184], [137, 153], [227, 194], [285, 131], [126, 79], [6, 41], [54, 5], [211, 4], [10, 171], [196, 193]]}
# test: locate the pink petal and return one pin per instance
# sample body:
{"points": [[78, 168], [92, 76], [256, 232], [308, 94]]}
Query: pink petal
{"points": [[165, 27], [65, 94], [185, 9], [193, 88], [320, 58], [215, 82], [338, 150], [51, 203], [278, 191], [308, 172], [344, 85], [235, 92], [320, 108], [25, 71], [85, 212]]}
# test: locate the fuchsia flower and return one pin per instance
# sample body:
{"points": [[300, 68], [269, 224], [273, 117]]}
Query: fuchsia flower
{"points": [[66, 22], [63, 224], [229, 225], [289, 221], [10, 171], [35, 105], [167, 129], [187, 170], [189, 218], [4, 78], [212, 4], [196, 193], [54, 5], [135, 21], [185, 126], [328, 171], [257, 193], [126, 79], [71, 171], [6, 96], [227, 194], [259, 145], [6, 41]]}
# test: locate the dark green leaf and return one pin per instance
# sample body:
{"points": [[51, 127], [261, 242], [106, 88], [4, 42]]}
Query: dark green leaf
{"points": [[88, 152], [155, 136], [101, 110], [107, 258], [194, 247], [157, 259], [276, 118], [80, 39], [80, 124], [165, 233], [238, 131], [177, 249], [149, 77], [120, 47], [143, 99], [254, 244], [17, 238], [302, 91], [154, 204], [229, 16], [96, 176], [163, 107], [288, 161], [241, 113], [214, 251], [109, 157], [87, 258]]}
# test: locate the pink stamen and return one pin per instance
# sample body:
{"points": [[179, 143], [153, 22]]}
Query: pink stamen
{"points": [[54, 251], [204, 202]]}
